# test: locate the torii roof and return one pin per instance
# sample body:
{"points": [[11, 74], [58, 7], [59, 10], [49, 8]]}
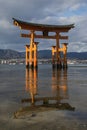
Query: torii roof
{"points": [[42, 27]]}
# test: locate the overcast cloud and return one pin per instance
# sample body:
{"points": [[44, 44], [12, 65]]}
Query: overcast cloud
{"points": [[45, 12]]}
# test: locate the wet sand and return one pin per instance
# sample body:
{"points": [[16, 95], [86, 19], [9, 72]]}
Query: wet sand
{"points": [[41, 119]]}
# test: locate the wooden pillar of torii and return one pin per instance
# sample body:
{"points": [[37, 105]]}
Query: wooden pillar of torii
{"points": [[31, 53], [31, 49], [57, 60]]}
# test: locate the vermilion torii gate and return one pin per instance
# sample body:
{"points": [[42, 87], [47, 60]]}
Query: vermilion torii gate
{"points": [[31, 49]]}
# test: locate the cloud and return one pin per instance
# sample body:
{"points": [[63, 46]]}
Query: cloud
{"points": [[77, 47], [46, 12], [77, 6]]}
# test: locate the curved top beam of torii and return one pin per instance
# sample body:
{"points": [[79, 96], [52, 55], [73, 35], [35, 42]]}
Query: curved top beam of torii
{"points": [[42, 27]]}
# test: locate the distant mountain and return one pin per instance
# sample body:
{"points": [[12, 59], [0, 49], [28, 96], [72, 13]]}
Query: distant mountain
{"points": [[11, 54], [77, 55], [45, 54], [70, 55]]}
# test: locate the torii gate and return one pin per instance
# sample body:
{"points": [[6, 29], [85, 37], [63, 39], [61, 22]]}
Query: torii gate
{"points": [[31, 49]]}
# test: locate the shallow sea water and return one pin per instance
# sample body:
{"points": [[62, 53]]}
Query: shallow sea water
{"points": [[66, 86]]}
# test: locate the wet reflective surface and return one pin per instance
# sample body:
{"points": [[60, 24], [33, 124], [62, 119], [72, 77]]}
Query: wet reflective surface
{"points": [[54, 99], [58, 90], [23, 90]]}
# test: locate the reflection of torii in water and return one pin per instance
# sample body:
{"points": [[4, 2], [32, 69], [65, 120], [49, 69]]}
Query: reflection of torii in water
{"points": [[31, 83], [59, 83], [59, 88]]}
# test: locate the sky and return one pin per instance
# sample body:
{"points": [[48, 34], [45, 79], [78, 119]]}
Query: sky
{"points": [[53, 12]]}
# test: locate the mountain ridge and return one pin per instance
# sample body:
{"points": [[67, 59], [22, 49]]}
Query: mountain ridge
{"points": [[42, 54]]}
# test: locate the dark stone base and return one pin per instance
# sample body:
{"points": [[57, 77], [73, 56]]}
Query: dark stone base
{"points": [[31, 67], [59, 66]]}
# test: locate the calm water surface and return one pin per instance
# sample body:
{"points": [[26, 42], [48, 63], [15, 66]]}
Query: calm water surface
{"points": [[18, 84]]}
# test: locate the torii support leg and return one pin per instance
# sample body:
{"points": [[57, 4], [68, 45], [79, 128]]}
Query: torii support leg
{"points": [[53, 56], [35, 55], [27, 56], [31, 59], [62, 61], [31, 62], [31, 56], [31, 53], [59, 66], [65, 55]]}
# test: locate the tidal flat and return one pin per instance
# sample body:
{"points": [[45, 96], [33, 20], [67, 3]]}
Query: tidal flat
{"points": [[43, 100]]}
